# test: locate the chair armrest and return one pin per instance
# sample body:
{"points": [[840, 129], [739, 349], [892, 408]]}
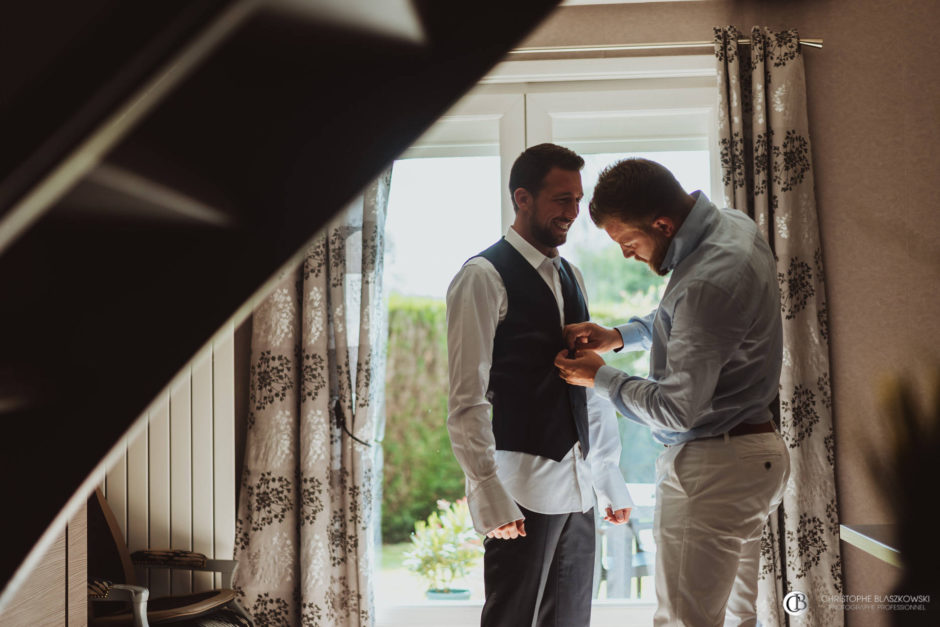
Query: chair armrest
{"points": [[99, 590], [138, 596]]}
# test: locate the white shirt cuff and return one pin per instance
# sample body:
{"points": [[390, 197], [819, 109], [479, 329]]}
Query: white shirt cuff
{"points": [[610, 488], [491, 506], [634, 337]]}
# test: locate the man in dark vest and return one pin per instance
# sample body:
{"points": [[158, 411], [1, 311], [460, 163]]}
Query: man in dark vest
{"points": [[533, 471]]}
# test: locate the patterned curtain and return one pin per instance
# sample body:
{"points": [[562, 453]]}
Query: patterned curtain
{"points": [[767, 171], [304, 532]]}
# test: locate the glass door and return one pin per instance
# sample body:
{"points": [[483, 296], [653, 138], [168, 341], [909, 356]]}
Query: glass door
{"points": [[449, 200], [446, 204]]}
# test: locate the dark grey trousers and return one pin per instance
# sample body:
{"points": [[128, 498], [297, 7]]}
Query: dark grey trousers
{"points": [[544, 579]]}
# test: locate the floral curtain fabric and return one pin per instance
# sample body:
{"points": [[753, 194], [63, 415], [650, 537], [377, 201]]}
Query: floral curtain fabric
{"points": [[767, 172], [304, 531]]}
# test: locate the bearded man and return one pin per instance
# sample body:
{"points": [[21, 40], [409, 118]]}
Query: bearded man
{"points": [[533, 471], [715, 346]]}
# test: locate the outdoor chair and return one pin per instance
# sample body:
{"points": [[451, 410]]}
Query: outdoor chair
{"points": [[625, 558]]}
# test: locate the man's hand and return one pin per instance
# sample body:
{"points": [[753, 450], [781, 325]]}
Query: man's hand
{"points": [[509, 531], [619, 517], [580, 370], [593, 337]]}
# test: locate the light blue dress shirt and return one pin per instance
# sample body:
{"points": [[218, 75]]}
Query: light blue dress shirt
{"points": [[716, 339]]}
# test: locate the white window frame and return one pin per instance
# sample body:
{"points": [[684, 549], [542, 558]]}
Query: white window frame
{"points": [[654, 103], [644, 104], [486, 122]]}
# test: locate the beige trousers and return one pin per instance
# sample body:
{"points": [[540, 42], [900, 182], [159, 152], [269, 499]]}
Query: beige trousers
{"points": [[713, 497]]}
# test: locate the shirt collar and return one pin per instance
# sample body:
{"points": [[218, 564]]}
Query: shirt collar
{"points": [[527, 250], [700, 218]]}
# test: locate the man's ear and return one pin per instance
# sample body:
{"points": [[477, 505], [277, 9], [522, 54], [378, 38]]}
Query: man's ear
{"points": [[522, 197], [665, 225]]}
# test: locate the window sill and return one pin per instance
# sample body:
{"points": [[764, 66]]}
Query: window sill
{"points": [[467, 614]]}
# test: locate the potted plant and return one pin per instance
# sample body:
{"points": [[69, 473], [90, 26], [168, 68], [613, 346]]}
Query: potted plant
{"points": [[444, 548]]}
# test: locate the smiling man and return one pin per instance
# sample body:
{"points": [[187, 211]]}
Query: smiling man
{"points": [[533, 471], [716, 351]]}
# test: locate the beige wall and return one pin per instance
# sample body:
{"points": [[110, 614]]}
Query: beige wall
{"points": [[873, 94]]}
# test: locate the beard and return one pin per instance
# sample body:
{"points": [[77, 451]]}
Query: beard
{"points": [[546, 233], [546, 236], [660, 247]]}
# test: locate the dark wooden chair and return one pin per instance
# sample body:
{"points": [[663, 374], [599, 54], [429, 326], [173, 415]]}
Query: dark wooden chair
{"points": [[116, 599]]}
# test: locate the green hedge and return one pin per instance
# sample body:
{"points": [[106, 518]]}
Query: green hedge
{"points": [[420, 467]]}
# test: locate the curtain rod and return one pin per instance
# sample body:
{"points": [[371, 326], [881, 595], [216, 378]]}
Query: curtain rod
{"points": [[812, 43]]}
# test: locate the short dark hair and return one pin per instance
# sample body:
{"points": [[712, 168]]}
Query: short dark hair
{"points": [[530, 168], [636, 191]]}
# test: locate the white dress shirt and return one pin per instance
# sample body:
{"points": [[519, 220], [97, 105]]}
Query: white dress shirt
{"points": [[498, 480]]}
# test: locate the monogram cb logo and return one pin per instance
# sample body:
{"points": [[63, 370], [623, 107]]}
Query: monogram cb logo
{"points": [[795, 603]]}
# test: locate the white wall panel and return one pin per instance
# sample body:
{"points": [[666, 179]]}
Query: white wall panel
{"points": [[138, 498], [159, 486], [115, 489], [203, 469], [175, 485], [223, 428], [181, 480]]}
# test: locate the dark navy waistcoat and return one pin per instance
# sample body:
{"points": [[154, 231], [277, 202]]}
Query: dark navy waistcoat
{"points": [[534, 410]]}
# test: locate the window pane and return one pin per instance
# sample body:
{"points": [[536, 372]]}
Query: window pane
{"points": [[441, 212]]}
